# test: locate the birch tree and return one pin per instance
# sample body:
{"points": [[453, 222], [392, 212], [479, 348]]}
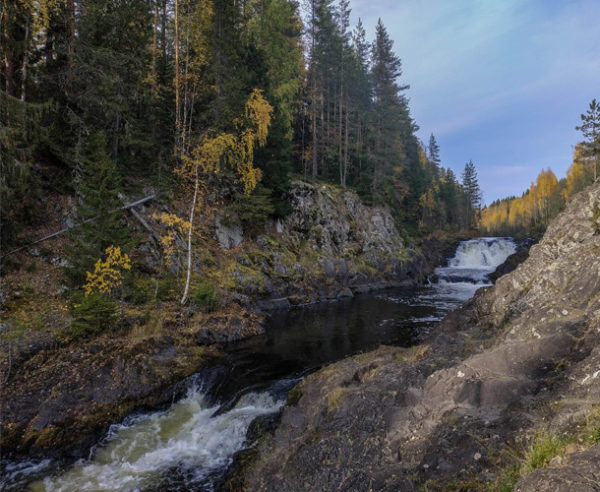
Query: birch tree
{"points": [[235, 150]]}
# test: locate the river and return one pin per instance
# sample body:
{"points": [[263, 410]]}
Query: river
{"points": [[190, 445]]}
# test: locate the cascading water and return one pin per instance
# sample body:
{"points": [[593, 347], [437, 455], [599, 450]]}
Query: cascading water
{"points": [[181, 448], [473, 261], [190, 445]]}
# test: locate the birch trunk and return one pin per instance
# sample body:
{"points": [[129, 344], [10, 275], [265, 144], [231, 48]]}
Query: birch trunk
{"points": [[186, 291]]}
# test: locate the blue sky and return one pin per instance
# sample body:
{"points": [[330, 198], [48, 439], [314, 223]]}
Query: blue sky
{"points": [[501, 82]]}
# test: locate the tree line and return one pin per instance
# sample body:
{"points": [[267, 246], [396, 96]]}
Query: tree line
{"points": [[96, 94], [529, 214]]}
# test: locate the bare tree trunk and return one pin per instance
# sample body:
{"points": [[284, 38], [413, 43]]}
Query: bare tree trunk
{"points": [[163, 32], [70, 41], [186, 100], [9, 53], [25, 61], [177, 81], [315, 161], [315, 168], [186, 291], [154, 45], [346, 143]]}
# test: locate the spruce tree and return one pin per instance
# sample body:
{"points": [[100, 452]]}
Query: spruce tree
{"points": [[472, 192], [389, 113], [99, 221], [434, 151]]}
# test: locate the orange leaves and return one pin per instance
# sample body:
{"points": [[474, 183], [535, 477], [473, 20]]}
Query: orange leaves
{"points": [[531, 209], [108, 274]]}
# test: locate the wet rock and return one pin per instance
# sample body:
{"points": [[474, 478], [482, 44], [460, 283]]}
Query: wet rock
{"points": [[271, 304], [63, 398]]}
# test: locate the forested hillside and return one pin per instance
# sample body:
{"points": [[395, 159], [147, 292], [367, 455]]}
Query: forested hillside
{"points": [[114, 96], [529, 214]]}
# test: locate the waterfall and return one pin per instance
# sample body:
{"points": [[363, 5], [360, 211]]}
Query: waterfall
{"points": [[475, 259]]}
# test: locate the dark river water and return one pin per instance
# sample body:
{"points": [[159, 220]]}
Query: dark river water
{"points": [[190, 445]]}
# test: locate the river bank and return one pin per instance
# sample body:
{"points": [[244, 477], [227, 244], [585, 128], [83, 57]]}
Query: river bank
{"points": [[190, 443], [505, 396]]}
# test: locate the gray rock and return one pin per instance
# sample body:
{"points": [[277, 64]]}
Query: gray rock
{"points": [[579, 472], [229, 232]]}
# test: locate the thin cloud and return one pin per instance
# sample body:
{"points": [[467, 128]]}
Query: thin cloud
{"points": [[496, 81]]}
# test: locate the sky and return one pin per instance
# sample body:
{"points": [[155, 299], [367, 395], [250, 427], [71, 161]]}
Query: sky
{"points": [[498, 82]]}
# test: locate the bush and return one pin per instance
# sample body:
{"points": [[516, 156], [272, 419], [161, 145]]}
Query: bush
{"points": [[205, 297], [95, 314]]}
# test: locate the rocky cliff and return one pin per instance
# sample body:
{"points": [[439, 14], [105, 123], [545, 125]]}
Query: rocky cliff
{"points": [[329, 246], [505, 395]]}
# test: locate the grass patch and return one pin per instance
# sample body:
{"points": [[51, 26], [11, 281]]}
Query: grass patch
{"points": [[412, 354], [590, 435], [541, 451]]}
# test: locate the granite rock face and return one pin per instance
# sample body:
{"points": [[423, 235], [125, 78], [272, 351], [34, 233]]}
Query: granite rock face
{"points": [[331, 245], [338, 222], [518, 358]]}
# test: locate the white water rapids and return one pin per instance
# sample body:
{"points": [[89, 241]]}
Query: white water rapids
{"points": [[188, 438]]}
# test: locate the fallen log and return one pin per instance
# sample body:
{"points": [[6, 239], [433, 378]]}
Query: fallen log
{"points": [[62, 231]]}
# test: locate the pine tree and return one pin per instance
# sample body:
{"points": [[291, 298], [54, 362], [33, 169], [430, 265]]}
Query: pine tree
{"points": [[389, 114], [590, 128], [434, 151], [110, 89], [275, 29]]}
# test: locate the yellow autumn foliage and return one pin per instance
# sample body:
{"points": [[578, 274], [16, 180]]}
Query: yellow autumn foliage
{"points": [[107, 274], [532, 209], [167, 241], [234, 150]]}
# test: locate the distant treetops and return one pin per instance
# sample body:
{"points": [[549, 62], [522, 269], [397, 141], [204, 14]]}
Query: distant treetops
{"points": [[531, 213]]}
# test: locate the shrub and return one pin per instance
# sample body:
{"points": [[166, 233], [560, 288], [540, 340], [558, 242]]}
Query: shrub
{"points": [[95, 314], [205, 296]]}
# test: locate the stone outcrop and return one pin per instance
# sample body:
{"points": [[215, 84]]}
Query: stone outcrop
{"points": [[519, 358], [58, 400], [330, 246], [337, 223]]}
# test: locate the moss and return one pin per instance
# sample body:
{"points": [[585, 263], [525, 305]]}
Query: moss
{"points": [[47, 438], [561, 365], [507, 480], [333, 398], [294, 395]]}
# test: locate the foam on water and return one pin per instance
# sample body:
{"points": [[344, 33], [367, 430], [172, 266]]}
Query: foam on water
{"points": [[474, 260], [189, 436]]}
